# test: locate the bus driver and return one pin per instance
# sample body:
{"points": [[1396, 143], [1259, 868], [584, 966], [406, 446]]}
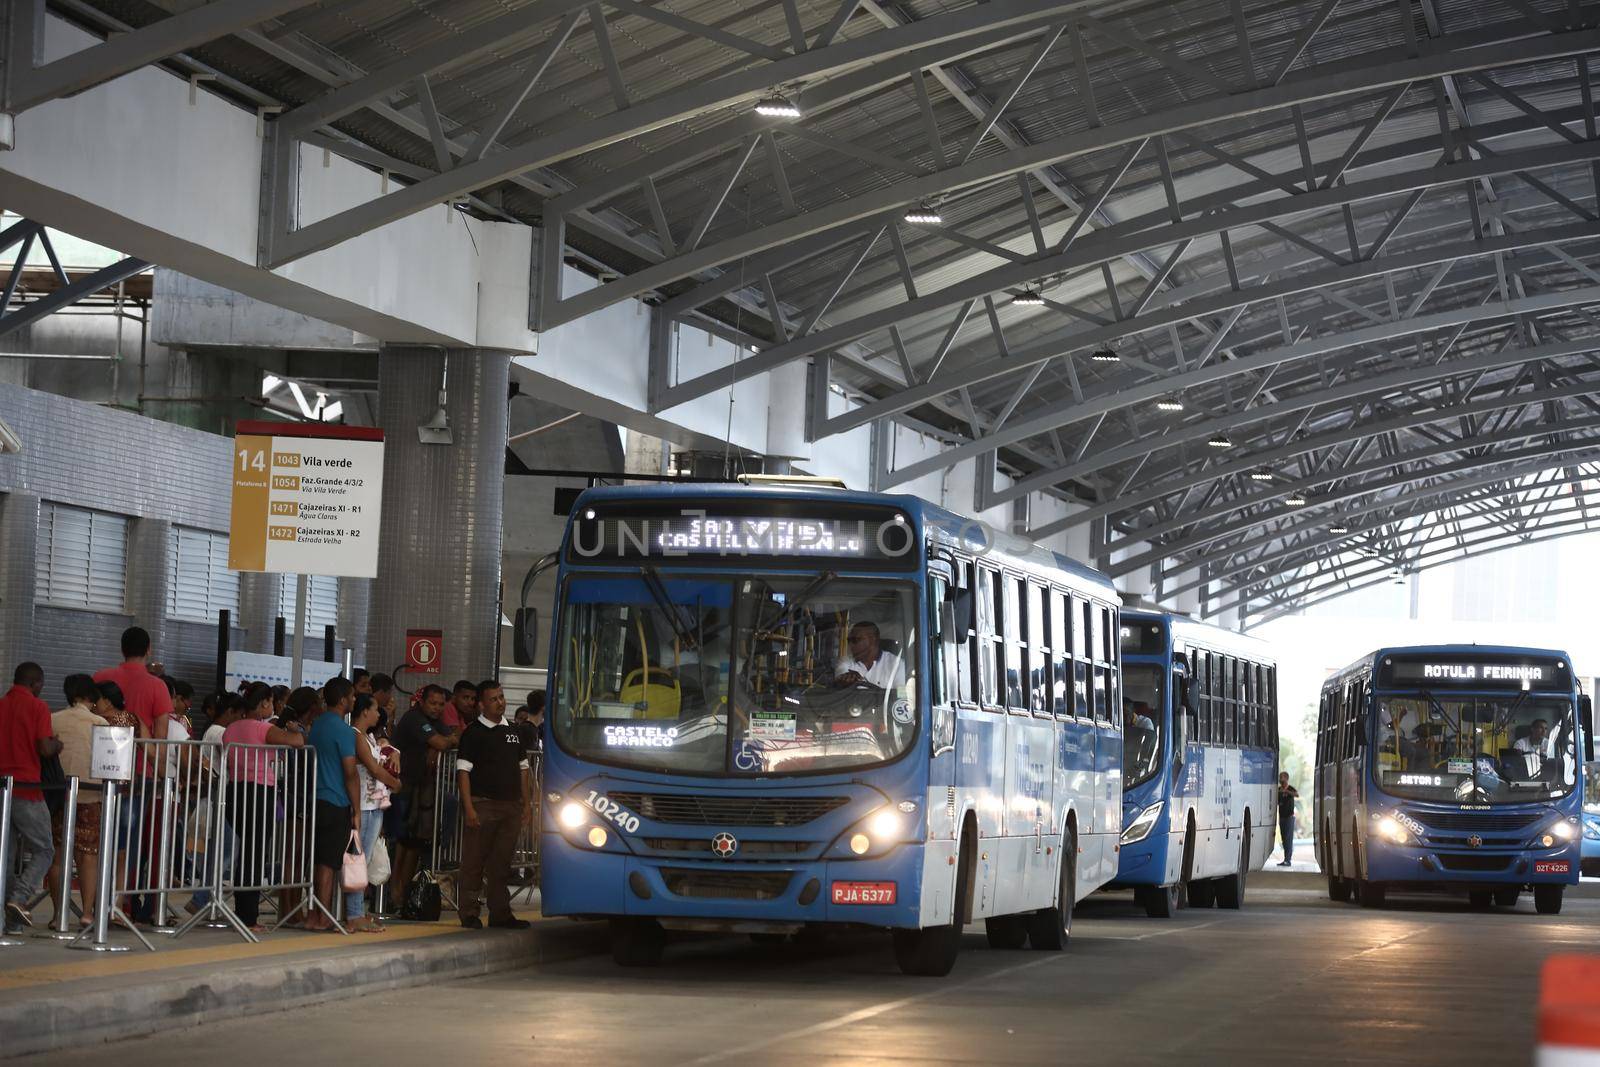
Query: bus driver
{"points": [[1538, 740], [868, 661]]}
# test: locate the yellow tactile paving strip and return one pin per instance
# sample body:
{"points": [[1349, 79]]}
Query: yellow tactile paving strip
{"points": [[140, 962]]}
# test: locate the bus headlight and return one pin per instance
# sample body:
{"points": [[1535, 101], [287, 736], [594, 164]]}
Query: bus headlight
{"points": [[884, 825], [1564, 831], [597, 837], [1140, 828], [1392, 831], [860, 843], [573, 815]]}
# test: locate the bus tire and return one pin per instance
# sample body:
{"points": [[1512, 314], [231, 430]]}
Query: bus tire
{"points": [[1507, 896], [637, 942], [1161, 901], [1338, 889], [1371, 894], [1547, 899], [1006, 931], [1230, 889], [1049, 929], [931, 952]]}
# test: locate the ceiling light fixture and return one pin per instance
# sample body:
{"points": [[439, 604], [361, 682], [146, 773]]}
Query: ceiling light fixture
{"points": [[1295, 500], [1029, 298], [1338, 528], [1261, 476], [1220, 440], [1105, 355], [777, 107], [1169, 404], [924, 214]]}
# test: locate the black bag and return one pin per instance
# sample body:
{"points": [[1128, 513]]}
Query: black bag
{"points": [[424, 901], [51, 774]]}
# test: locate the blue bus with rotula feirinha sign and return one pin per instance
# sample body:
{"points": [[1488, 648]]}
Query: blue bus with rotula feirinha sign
{"points": [[776, 709], [1453, 767]]}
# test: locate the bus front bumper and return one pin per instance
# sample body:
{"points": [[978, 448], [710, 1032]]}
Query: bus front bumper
{"points": [[1464, 867], [1146, 862], [583, 883]]}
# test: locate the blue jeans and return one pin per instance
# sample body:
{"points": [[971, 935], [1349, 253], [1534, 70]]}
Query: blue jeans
{"points": [[355, 904], [1286, 831], [30, 823]]}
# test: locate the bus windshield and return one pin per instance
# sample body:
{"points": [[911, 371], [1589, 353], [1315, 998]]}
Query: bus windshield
{"points": [[747, 675], [1475, 749], [1141, 718]]}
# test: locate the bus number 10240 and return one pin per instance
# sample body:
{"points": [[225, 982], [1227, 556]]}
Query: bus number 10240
{"points": [[610, 810]]}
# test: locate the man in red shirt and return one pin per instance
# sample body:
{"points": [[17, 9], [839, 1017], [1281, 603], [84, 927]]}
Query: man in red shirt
{"points": [[145, 694], [26, 735]]}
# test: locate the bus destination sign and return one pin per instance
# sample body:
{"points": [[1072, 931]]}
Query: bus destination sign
{"points": [[1481, 673], [697, 535]]}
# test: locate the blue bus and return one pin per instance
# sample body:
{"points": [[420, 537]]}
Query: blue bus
{"points": [[777, 708], [1452, 767], [1200, 737]]}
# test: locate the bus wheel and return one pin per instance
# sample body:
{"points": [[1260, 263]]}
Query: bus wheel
{"points": [[1547, 899], [1480, 899], [931, 952], [1338, 889], [1230, 890], [1161, 901], [1007, 931], [1507, 896], [637, 942], [1050, 928], [1371, 894]]}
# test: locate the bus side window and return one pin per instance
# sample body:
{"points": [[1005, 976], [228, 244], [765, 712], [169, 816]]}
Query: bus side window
{"points": [[1235, 703], [1202, 689], [987, 641], [937, 690], [1040, 641], [965, 639], [1060, 657]]}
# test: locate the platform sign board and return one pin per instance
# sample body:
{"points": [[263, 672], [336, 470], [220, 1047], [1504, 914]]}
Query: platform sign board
{"points": [[111, 753], [306, 499]]}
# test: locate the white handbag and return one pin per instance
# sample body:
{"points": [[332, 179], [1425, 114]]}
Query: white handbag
{"points": [[378, 863]]}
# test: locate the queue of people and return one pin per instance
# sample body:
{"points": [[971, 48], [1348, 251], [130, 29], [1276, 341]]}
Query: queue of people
{"points": [[375, 786]]}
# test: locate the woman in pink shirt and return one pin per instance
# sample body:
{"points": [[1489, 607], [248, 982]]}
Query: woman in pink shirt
{"points": [[253, 796]]}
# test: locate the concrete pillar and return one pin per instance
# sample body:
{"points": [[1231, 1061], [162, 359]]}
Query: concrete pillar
{"points": [[439, 546], [355, 607], [258, 610], [150, 582], [786, 418], [19, 541]]}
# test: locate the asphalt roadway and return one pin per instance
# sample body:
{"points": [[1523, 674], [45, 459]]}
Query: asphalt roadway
{"points": [[1292, 978]]}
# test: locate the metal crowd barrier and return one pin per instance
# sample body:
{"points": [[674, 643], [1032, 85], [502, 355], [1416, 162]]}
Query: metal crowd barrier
{"points": [[449, 825], [273, 825], [525, 860]]}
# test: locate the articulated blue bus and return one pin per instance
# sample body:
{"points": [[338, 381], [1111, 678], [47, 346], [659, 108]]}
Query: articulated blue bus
{"points": [[1452, 767], [780, 708], [1200, 743]]}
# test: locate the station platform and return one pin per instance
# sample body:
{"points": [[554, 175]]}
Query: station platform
{"points": [[53, 998]]}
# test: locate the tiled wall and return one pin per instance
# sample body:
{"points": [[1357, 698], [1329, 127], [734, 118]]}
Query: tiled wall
{"points": [[92, 456]]}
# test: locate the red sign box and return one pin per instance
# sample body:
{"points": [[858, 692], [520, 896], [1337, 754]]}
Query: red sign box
{"points": [[1552, 867], [424, 651], [863, 892]]}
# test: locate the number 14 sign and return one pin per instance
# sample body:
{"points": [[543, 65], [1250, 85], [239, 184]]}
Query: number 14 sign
{"points": [[306, 499]]}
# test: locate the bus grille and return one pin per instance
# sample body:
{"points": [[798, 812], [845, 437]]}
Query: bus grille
{"points": [[1477, 820], [725, 885], [728, 810], [1479, 862], [746, 848]]}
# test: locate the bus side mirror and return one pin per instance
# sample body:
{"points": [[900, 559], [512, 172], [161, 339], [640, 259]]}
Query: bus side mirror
{"points": [[524, 636], [959, 601], [1586, 719]]}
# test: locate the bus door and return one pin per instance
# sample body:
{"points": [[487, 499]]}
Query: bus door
{"points": [[949, 611]]}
